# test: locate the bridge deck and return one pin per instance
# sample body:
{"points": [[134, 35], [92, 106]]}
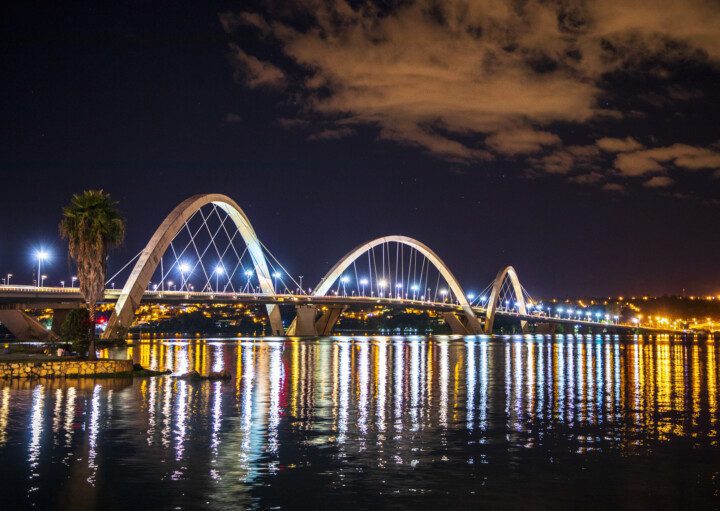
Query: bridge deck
{"points": [[62, 297]]}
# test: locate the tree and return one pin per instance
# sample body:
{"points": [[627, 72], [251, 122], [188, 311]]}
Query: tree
{"points": [[75, 329], [92, 224]]}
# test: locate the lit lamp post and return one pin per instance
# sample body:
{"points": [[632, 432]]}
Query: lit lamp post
{"points": [[248, 274], [415, 288], [184, 270], [219, 270], [72, 281], [9, 276], [443, 293], [363, 283], [344, 280], [276, 276], [41, 255], [42, 280], [381, 286], [398, 290]]}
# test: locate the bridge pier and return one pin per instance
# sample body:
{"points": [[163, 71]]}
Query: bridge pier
{"points": [[304, 324], [307, 323], [462, 325], [25, 327], [329, 319]]}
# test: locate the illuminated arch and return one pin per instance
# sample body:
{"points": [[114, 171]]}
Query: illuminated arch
{"points": [[132, 293], [510, 272], [473, 324]]}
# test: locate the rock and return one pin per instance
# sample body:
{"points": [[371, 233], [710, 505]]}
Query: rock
{"points": [[192, 376], [218, 375]]}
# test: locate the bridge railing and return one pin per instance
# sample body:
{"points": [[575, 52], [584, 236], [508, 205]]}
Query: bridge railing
{"points": [[42, 289]]}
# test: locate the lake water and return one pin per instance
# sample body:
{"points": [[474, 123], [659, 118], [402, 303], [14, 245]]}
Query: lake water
{"points": [[375, 423]]}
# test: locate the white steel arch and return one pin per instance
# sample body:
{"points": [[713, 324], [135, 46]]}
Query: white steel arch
{"points": [[473, 324], [510, 272], [132, 293]]}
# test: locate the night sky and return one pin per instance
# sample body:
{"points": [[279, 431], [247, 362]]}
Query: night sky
{"points": [[577, 141]]}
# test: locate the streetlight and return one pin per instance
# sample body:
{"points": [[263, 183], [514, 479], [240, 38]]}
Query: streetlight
{"points": [[40, 255], [73, 279], [184, 270], [443, 293], [62, 283], [42, 280], [9, 276], [276, 276], [219, 270], [381, 284], [398, 289], [363, 283], [344, 280], [248, 274], [415, 288], [170, 284]]}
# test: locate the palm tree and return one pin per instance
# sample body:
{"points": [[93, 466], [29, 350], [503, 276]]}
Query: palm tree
{"points": [[92, 224]]}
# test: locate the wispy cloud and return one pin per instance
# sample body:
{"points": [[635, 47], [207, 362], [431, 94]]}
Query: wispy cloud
{"points": [[473, 80], [254, 72]]}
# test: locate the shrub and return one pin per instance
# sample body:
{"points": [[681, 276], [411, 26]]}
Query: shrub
{"points": [[75, 329]]}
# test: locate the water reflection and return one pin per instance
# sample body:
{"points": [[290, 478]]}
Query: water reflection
{"points": [[335, 409]]}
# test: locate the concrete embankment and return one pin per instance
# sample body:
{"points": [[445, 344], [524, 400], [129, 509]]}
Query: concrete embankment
{"points": [[64, 368]]}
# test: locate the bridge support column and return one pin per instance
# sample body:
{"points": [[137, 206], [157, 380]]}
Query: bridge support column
{"points": [[457, 327], [276, 326], [25, 327], [463, 324], [304, 324], [329, 318]]}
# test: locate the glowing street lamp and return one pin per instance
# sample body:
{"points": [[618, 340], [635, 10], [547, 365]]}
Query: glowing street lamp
{"points": [[219, 270], [9, 276], [415, 288], [248, 274], [184, 273], [443, 293], [276, 276], [42, 280], [382, 284], [344, 280], [363, 283], [398, 290], [41, 255], [72, 281]]}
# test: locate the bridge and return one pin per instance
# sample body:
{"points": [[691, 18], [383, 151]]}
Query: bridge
{"points": [[206, 251]]}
